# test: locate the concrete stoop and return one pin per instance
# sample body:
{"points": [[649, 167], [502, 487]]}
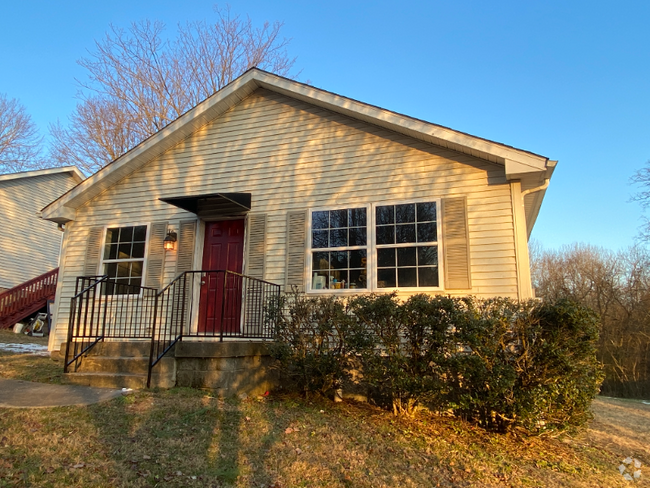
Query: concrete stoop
{"points": [[228, 368], [122, 365]]}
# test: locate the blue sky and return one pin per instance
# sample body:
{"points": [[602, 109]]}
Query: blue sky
{"points": [[566, 79]]}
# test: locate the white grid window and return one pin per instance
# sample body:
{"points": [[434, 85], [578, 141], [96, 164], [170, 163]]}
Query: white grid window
{"points": [[339, 242], [407, 245], [123, 255], [378, 247]]}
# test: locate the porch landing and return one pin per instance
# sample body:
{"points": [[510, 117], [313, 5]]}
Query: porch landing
{"points": [[229, 368]]}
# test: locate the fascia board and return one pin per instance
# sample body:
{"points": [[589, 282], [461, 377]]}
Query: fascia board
{"points": [[73, 170]]}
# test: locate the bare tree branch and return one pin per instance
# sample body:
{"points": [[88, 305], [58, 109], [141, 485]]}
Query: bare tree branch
{"points": [[20, 144], [139, 81], [617, 286]]}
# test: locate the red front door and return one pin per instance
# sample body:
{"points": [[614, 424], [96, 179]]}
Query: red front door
{"points": [[220, 305]]}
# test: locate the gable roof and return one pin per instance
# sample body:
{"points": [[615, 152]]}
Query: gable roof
{"points": [[518, 163]]}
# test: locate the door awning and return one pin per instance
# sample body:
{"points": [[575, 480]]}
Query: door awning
{"points": [[213, 204]]}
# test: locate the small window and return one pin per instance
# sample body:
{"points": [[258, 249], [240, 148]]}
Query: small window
{"points": [[339, 244], [123, 258], [406, 241]]}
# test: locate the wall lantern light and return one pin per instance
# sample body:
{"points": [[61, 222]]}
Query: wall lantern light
{"points": [[169, 244]]}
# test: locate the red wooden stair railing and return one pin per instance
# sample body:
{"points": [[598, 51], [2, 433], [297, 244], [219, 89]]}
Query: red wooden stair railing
{"points": [[23, 300]]}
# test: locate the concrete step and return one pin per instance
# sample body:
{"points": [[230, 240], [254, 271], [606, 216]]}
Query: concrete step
{"points": [[107, 380], [122, 349], [132, 365], [119, 380]]}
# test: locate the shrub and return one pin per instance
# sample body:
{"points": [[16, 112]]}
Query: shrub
{"points": [[310, 341], [559, 373], [498, 362], [405, 347], [481, 370]]}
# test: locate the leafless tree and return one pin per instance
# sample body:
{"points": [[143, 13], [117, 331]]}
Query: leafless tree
{"points": [[617, 286], [642, 178], [20, 143], [139, 81]]}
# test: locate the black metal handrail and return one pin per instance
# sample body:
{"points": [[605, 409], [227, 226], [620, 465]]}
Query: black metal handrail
{"points": [[220, 303], [105, 308]]}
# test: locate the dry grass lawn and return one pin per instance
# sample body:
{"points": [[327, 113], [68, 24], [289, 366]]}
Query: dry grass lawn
{"points": [[184, 437]]}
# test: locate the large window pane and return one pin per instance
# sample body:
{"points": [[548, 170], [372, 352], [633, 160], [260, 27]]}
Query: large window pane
{"points": [[358, 259], [321, 260], [138, 250], [124, 251], [140, 233], [112, 235], [339, 259], [358, 279], [428, 256], [126, 234]]}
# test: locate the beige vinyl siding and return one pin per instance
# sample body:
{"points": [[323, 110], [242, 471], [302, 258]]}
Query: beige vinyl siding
{"points": [[293, 156], [30, 245]]}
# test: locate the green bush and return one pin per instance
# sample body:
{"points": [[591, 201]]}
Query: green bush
{"points": [[310, 341], [404, 354], [498, 362], [482, 370]]}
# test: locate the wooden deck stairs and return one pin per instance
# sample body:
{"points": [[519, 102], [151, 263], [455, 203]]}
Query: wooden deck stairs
{"points": [[27, 298]]}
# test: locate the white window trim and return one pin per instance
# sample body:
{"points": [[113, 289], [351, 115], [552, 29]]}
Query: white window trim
{"points": [[310, 250], [371, 247], [144, 260]]}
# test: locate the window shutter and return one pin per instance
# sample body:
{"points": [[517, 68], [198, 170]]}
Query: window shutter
{"points": [[186, 244], [156, 255], [455, 240], [256, 246], [93, 251], [296, 241]]}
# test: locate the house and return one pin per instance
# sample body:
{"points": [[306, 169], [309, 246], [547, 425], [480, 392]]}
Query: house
{"points": [[30, 246], [271, 184]]}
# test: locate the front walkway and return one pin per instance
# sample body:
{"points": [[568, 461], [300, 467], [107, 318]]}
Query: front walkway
{"points": [[25, 394]]}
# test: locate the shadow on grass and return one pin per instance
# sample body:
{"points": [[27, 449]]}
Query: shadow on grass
{"points": [[181, 437]]}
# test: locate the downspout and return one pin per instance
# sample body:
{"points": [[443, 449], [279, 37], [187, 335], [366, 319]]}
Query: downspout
{"points": [[543, 186]]}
